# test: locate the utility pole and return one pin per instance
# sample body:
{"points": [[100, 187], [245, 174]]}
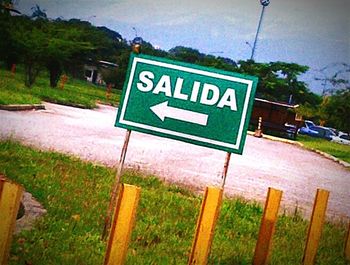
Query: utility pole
{"points": [[264, 4]]}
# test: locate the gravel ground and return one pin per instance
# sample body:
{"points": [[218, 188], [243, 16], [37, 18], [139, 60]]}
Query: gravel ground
{"points": [[91, 135]]}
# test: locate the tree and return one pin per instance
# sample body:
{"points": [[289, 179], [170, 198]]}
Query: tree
{"points": [[337, 109], [64, 43], [38, 13], [106, 45], [334, 76], [122, 59], [278, 81], [111, 34], [185, 54], [269, 86], [29, 43], [7, 49], [53, 45], [334, 107], [147, 48], [293, 89]]}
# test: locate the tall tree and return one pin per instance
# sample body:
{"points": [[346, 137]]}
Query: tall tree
{"points": [[334, 76], [64, 43], [30, 42], [185, 54], [38, 13], [278, 81], [7, 47], [293, 89], [48, 44], [337, 109]]}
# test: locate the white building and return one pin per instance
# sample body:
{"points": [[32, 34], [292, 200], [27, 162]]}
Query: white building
{"points": [[92, 74]]}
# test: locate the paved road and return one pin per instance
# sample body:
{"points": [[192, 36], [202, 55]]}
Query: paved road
{"points": [[91, 135]]}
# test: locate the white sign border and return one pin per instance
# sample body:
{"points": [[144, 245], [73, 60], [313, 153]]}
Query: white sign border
{"points": [[235, 146]]}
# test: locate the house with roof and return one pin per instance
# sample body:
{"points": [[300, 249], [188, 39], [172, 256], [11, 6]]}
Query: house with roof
{"points": [[92, 71]]}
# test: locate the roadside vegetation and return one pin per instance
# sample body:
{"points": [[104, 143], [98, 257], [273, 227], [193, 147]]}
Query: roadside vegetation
{"points": [[77, 93], [340, 151], [76, 194]]}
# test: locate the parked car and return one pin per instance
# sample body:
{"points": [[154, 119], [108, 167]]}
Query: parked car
{"points": [[290, 130], [313, 130], [324, 132], [306, 129], [342, 138], [309, 123]]}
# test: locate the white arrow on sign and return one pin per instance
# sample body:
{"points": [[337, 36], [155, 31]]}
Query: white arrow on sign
{"points": [[162, 110]]}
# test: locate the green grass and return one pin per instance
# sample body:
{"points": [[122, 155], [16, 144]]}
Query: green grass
{"points": [[166, 218], [75, 93], [341, 151]]}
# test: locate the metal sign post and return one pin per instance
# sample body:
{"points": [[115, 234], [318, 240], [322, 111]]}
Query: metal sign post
{"points": [[115, 186], [224, 172], [107, 225]]}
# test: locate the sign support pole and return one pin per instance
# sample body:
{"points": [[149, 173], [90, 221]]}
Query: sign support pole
{"points": [[116, 185], [122, 157], [136, 49], [224, 173]]}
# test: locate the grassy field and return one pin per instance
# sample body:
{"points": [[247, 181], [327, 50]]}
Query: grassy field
{"points": [[76, 193], [341, 151], [75, 93]]}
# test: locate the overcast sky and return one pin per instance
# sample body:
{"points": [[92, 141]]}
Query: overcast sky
{"points": [[310, 32]]}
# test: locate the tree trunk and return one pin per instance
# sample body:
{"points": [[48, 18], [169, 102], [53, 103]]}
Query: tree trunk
{"points": [[31, 72], [55, 70], [9, 61]]}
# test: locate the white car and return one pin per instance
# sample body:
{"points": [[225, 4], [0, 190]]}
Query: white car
{"points": [[342, 138]]}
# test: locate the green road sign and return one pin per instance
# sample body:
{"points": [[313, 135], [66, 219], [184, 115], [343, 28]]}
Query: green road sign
{"points": [[186, 102]]}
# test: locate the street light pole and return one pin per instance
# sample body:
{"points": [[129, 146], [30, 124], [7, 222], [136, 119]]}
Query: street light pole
{"points": [[135, 31], [264, 4]]}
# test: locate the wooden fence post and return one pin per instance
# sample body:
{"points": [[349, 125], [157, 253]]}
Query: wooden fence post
{"points": [[10, 197], [315, 227], [267, 227], [206, 225], [347, 245], [123, 222]]}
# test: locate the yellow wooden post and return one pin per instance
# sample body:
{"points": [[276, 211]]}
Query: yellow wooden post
{"points": [[10, 197], [206, 225], [123, 222], [267, 227], [347, 245], [2, 181], [315, 227]]}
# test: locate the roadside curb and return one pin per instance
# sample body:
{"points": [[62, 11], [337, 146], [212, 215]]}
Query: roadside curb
{"points": [[277, 139], [22, 107], [273, 138], [345, 164]]}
